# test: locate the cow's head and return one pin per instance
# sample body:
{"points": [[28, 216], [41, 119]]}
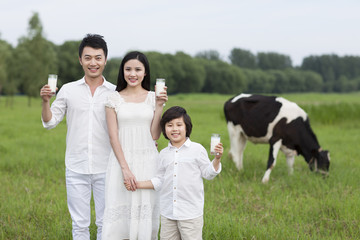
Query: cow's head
{"points": [[320, 162]]}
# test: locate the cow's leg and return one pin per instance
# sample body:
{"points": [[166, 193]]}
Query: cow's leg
{"points": [[290, 158], [274, 149], [240, 151], [237, 144], [290, 162]]}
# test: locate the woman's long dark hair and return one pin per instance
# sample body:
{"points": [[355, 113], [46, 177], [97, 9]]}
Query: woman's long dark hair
{"points": [[121, 83]]}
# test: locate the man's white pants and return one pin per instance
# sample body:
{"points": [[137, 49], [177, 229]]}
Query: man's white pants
{"points": [[79, 188]]}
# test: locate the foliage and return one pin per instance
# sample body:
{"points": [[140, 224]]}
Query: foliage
{"points": [[36, 58], [272, 60], [209, 55], [181, 71], [69, 67], [265, 61], [24, 69], [223, 78], [193, 75], [243, 58], [6, 55], [339, 73]]}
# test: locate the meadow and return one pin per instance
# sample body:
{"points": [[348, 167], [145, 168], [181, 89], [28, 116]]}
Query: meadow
{"points": [[237, 205]]}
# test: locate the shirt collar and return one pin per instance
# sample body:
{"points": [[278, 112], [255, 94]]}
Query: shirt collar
{"points": [[186, 144], [105, 83]]}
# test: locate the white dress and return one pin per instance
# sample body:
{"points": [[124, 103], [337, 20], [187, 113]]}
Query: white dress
{"points": [[132, 215]]}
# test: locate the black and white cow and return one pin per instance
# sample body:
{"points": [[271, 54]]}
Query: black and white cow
{"points": [[278, 122]]}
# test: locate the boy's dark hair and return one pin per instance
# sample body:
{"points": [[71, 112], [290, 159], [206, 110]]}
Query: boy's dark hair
{"points": [[121, 83], [95, 41], [172, 113]]}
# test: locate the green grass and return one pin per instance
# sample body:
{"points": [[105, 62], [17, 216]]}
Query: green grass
{"points": [[237, 205]]}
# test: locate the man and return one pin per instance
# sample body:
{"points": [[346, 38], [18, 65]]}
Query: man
{"points": [[87, 142]]}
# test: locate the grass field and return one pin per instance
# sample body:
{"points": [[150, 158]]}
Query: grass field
{"points": [[237, 205]]}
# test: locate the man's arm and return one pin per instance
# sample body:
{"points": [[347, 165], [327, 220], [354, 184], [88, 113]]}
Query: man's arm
{"points": [[46, 94]]}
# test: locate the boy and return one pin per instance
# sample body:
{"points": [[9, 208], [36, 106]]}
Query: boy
{"points": [[183, 165]]}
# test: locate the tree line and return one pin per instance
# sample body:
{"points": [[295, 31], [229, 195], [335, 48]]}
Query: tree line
{"points": [[24, 69]]}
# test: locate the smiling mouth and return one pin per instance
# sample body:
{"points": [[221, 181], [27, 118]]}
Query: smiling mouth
{"points": [[93, 69]]}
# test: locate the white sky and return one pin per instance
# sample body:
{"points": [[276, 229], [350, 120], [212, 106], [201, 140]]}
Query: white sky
{"points": [[297, 28]]}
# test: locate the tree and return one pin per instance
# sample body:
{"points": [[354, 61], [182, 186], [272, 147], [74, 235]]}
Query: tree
{"points": [[260, 81], [164, 66], [271, 60], [243, 58], [223, 78], [296, 80], [193, 75], [281, 81], [342, 84], [313, 81], [69, 66], [111, 71], [6, 55], [209, 55], [36, 58]]}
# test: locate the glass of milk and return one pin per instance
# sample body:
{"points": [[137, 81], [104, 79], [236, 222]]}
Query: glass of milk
{"points": [[52, 80], [215, 140], [160, 84]]}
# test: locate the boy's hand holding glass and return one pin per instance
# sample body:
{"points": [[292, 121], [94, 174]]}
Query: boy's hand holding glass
{"points": [[218, 149]]}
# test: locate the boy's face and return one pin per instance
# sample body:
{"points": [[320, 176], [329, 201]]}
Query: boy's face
{"points": [[176, 131]]}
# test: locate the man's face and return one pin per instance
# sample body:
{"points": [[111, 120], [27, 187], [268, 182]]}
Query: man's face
{"points": [[93, 62]]}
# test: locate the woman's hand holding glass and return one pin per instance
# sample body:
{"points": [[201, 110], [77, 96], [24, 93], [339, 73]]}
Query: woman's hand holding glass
{"points": [[162, 97]]}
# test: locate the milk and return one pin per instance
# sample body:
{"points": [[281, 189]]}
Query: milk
{"points": [[52, 80], [215, 140], [160, 84]]}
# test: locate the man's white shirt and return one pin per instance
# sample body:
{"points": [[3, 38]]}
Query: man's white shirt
{"points": [[87, 140]]}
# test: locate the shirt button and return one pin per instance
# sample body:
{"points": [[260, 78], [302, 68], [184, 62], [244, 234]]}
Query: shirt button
{"points": [[174, 187], [174, 200], [176, 163], [174, 175]]}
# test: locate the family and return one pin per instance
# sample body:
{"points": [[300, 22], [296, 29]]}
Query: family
{"points": [[111, 153]]}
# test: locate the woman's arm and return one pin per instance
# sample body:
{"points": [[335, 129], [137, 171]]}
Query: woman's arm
{"points": [[111, 121], [159, 106]]}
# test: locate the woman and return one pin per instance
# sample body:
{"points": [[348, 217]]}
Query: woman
{"points": [[133, 118]]}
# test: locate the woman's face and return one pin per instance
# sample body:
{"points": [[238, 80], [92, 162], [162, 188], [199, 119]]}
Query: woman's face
{"points": [[134, 72]]}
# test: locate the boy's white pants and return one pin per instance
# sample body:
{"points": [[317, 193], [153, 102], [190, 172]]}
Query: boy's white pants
{"points": [[79, 188]]}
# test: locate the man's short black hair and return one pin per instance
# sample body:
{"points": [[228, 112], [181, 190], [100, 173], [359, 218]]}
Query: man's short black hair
{"points": [[95, 41]]}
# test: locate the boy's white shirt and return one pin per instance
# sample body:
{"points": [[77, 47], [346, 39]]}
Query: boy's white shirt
{"points": [[180, 180]]}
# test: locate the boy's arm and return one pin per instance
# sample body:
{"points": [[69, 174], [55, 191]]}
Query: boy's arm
{"points": [[219, 151], [140, 185], [208, 169], [145, 185]]}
